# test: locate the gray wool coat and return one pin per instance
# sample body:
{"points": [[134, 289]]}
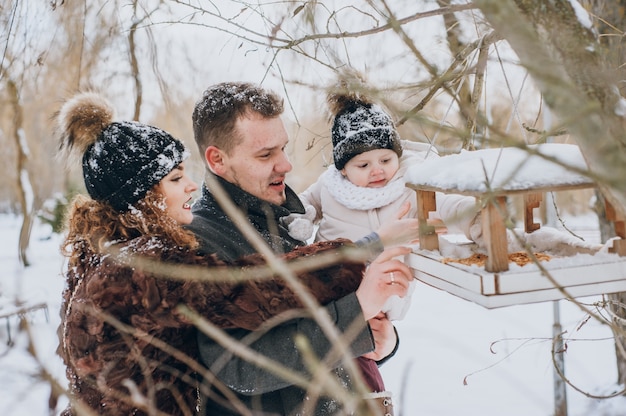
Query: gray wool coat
{"points": [[257, 389]]}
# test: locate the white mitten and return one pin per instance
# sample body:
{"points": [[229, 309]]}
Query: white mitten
{"points": [[301, 225]]}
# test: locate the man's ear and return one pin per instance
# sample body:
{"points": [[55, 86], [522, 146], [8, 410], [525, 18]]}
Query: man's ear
{"points": [[215, 159]]}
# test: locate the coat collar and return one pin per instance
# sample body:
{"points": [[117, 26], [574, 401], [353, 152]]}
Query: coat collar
{"points": [[253, 204]]}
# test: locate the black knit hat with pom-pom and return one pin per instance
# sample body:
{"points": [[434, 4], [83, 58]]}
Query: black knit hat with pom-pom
{"points": [[359, 125], [122, 160]]}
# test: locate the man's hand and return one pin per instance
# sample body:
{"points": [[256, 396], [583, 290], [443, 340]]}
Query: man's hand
{"points": [[385, 276], [384, 337]]}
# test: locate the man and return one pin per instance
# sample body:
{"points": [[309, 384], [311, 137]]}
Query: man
{"points": [[238, 130]]}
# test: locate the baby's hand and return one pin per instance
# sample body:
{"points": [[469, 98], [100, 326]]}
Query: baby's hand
{"points": [[400, 230]]}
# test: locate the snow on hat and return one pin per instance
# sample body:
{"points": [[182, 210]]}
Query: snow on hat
{"points": [[359, 126], [121, 161]]}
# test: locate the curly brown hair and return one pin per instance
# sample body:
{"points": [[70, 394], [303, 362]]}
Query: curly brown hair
{"points": [[93, 225]]}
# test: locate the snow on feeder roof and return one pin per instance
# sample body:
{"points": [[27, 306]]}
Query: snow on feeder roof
{"points": [[506, 170]]}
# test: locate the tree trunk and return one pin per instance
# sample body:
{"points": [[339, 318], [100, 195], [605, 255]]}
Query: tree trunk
{"points": [[564, 57], [612, 17], [26, 195], [134, 64]]}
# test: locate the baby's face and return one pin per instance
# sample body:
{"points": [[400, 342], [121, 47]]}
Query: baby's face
{"points": [[372, 169]]}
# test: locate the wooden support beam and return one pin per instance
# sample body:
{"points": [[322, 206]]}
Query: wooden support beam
{"points": [[494, 232], [619, 246], [531, 201], [426, 203]]}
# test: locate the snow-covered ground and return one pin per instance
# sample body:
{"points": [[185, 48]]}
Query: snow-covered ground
{"points": [[455, 357]]}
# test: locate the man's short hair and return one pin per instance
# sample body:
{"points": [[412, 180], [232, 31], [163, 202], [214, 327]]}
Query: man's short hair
{"points": [[221, 105]]}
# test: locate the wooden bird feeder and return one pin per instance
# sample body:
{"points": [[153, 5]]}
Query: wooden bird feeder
{"points": [[492, 175]]}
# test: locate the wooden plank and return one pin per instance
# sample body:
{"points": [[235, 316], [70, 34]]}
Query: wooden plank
{"points": [[520, 279], [498, 301], [615, 217], [565, 277], [426, 203], [494, 232], [458, 291], [531, 201], [619, 246], [462, 278]]}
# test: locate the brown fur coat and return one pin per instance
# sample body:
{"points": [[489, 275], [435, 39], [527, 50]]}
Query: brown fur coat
{"points": [[107, 365]]}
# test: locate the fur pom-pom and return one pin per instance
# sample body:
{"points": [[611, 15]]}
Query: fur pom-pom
{"points": [[351, 89], [81, 120]]}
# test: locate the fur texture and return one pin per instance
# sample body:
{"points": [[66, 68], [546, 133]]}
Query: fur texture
{"points": [[104, 364], [82, 119], [349, 91]]}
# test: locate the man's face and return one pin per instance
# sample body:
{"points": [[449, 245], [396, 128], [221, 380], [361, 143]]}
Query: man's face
{"points": [[258, 164]]}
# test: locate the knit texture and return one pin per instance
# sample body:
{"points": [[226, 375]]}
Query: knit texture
{"points": [[362, 127], [359, 197], [127, 160]]}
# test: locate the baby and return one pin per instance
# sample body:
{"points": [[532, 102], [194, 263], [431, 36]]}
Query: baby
{"points": [[365, 189]]}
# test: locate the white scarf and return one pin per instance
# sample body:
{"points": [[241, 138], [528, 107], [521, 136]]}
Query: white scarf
{"points": [[358, 197]]}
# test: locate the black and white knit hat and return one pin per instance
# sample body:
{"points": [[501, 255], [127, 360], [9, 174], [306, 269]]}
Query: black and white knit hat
{"points": [[359, 126], [121, 161]]}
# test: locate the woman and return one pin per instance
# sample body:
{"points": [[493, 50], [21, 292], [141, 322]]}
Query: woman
{"points": [[118, 318]]}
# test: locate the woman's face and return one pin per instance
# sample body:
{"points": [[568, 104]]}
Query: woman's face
{"points": [[176, 188], [372, 169]]}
